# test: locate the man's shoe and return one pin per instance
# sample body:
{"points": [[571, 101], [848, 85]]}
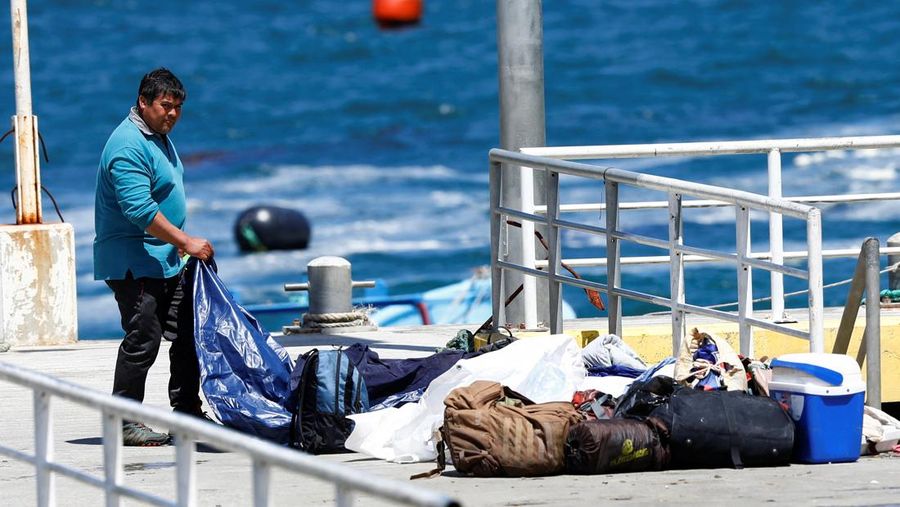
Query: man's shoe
{"points": [[140, 435]]}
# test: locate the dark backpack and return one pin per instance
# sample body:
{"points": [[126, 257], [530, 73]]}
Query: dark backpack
{"points": [[327, 388]]}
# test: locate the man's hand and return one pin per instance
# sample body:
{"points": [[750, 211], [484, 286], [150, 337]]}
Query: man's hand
{"points": [[199, 248]]}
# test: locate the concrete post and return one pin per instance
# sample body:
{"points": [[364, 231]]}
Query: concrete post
{"points": [[37, 285], [522, 124], [37, 261], [893, 276]]}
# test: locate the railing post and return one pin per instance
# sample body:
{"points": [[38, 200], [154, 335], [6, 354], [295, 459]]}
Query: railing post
{"points": [[676, 271], [343, 496], [497, 307], [43, 449], [776, 237], [613, 277], [814, 269], [186, 470], [529, 296], [894, 276], [873, 323], [745, 280], [551, 185], [112, 457], [261, 483]]}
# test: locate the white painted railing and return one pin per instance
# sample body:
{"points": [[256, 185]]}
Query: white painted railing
{"points": [[741, 257], [772, 148], [187, 430]]}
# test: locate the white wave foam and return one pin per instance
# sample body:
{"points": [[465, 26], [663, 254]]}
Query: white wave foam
{"points": [[281, 180], [809, 159], [872, 173]]}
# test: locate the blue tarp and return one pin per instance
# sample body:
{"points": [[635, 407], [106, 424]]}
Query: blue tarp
{"points": [[244, 373]]}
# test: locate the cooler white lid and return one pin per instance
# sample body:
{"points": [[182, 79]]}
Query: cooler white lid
{"points": [[824, 368], [817, 373]]}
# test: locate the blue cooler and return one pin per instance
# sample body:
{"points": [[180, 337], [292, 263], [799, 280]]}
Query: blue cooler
{"points": [[825, 395]]}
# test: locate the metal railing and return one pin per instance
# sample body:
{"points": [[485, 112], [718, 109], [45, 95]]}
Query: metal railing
{"points": [[772, 148], [676, 190], [186, 431], [866, 277]]}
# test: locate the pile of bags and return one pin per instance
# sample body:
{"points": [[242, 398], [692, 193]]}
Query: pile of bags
{"points": [[492, 431], [531, 407]]}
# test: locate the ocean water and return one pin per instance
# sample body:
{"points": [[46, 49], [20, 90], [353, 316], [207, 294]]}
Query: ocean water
{"points": [[381, 137]]}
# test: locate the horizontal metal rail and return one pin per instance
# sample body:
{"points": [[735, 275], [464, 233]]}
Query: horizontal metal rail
{"points": [[712, 148], [709, 203], [659, 301], [651, 182], [665, 259], [187, 431]]}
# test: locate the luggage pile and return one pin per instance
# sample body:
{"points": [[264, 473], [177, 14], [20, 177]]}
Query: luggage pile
{"points": [[534, 407], [491, 431]]}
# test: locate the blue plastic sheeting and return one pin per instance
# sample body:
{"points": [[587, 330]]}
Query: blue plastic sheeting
{"points": [[244, 373]]}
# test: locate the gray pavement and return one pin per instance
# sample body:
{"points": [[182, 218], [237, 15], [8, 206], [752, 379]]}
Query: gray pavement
{"points": [[224, 477]]}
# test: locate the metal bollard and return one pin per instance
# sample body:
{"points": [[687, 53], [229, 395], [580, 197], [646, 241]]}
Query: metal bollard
{"points": [[893, 276], [330, 289]]}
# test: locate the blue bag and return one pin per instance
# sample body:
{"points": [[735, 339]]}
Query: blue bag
{"points": [[244, 373], [327, 388]]}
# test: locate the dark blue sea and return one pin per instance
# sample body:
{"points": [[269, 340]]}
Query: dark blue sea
{"points": [[381, 137]]}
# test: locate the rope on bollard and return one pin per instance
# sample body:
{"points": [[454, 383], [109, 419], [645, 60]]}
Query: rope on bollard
{"points": [[331, 320]]}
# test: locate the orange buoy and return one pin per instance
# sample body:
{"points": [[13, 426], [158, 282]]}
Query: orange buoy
{"points": [[391, 13]]}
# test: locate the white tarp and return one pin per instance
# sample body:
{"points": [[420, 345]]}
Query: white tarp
{"points": [[542, 369]]}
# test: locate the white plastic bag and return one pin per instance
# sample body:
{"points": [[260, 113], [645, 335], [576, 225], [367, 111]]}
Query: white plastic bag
{"points": [[542, 369]]}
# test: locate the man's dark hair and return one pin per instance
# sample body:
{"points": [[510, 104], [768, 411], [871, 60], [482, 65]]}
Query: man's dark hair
{"points": [[159, 83]]}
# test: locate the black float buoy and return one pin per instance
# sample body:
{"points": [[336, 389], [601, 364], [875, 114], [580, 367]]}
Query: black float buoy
{"points": [[263, 228]]}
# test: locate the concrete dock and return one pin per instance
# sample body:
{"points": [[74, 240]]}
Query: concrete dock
{"points": [[223, 478]]}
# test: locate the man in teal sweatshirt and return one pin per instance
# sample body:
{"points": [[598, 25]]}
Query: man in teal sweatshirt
{"points": [[139, 218]]}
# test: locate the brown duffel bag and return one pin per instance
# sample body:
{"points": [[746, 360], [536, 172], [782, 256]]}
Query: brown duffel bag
{"points": [[492, 431], [617, 445]]}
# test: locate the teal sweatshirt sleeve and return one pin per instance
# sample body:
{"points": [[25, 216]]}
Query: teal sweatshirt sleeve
{"points": [[132, 180]]}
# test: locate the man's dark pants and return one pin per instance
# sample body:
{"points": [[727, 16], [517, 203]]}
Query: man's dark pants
{"points": [[152, 309]]}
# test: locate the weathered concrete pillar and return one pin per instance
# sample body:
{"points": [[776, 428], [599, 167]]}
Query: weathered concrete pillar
{"points": [[37, 285]]}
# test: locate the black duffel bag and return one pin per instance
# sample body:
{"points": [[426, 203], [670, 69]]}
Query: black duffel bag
{"points": [[714, 429], [616, 445]]}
